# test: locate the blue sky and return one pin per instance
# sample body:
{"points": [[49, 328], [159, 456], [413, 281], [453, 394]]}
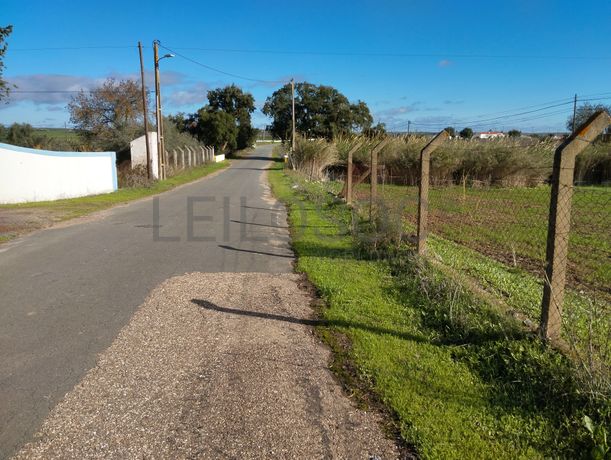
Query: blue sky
{"points": [[435, 63]]}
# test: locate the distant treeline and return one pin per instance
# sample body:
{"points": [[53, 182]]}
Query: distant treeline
{"points": [[25, 135]]}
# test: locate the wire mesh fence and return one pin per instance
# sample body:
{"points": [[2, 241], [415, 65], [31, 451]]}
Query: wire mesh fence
{"points": [[494, 225]]}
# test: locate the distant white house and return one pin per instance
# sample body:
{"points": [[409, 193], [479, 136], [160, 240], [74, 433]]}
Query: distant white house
{"points": [[490, 135]]}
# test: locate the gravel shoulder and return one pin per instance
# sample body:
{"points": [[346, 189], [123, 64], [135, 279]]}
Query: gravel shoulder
{"points": [[213, 365]]}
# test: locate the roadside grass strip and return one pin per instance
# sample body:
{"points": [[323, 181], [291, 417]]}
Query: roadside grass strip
{"points": [[462, 378]]}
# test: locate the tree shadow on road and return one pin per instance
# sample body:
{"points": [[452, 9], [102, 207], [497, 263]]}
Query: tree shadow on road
{"points": [[306, 321]]}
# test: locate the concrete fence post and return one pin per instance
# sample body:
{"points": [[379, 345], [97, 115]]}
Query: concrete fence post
{"points": [[423, 188], [175, 160], [349, 173], [559, 224], [203, 152], [373, 180], [182, 158]]}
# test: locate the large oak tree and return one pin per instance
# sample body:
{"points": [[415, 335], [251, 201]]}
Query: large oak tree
{"points": [[225, 122], [320, 111]]}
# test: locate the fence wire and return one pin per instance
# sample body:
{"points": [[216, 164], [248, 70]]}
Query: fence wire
{"points": [[495, 229]]}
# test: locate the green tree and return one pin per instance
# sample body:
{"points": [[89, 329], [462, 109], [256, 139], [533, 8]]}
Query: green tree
{"points": [[232, 100], [451, 131], [225, 122], [110, 116], [514, 133], [216, 128], [361, 117], [24, 135], [466, 133], [375, 131], [320, 111], [4, 85], [583, 112], [278, 106], [181, 120]]}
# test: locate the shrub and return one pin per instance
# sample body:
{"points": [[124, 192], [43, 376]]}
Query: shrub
{"points": [[136, 177], [311, 157]]}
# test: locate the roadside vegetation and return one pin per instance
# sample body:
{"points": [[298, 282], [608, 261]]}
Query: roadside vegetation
{"points": [[225, 122], [464, 375]]}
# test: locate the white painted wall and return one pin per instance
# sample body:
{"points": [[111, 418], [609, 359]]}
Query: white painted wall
{"points": [[138, 152], [41, 175]]}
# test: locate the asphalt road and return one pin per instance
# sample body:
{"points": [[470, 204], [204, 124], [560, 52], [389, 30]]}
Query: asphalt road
{"points": [[66, 292]]}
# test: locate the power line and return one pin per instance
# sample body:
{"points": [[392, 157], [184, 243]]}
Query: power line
{"points": [[73, 48], [214, 69], [329, 53], [508, 112], [53, 91], [478, 121], [391, 54], [503, 117]]}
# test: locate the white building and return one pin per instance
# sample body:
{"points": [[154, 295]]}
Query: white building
{"points": [[138, 152], [490, 135]]}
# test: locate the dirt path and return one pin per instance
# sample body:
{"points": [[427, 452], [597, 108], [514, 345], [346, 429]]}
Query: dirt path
{"points": [[216, 365], [14, 222]]}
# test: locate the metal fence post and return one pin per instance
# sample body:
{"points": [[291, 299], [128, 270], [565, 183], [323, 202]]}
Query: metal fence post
{"points": [[423, 188], [559, 223]]}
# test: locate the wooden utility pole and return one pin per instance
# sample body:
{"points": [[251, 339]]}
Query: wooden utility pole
{"points": [[559, 224], [409, 125], [158, 110], [145, 113], [574, 113], [293, 112]]}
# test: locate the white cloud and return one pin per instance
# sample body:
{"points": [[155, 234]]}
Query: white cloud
{"points": [[191, 95], [56, 90]]}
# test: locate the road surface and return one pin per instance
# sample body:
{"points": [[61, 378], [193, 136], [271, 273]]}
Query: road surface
{"points": [[67, 292]]}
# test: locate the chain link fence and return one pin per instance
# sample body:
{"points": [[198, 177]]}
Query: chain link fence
{"points": [[492, 223]]}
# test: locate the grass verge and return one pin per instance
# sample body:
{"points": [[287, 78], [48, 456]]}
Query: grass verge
{"points": [[464, 379], [48, 212]]}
